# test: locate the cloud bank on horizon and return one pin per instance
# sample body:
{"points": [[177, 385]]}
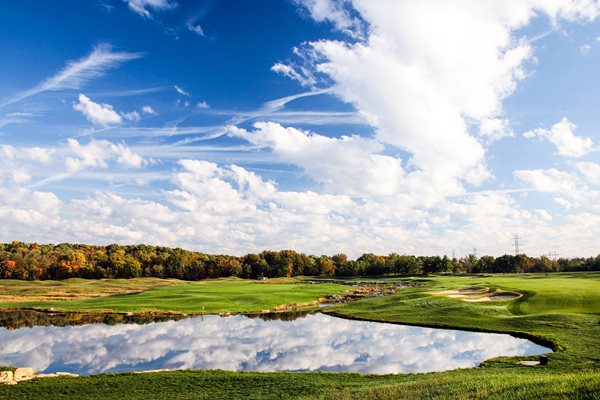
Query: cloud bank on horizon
{"points": [[367, 126]]}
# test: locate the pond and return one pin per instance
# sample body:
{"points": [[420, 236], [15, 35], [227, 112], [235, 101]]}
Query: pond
{"points": [[311, 342]]}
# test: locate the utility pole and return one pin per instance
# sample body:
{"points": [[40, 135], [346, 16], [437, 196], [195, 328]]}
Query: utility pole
{"points": [[516, 237]]}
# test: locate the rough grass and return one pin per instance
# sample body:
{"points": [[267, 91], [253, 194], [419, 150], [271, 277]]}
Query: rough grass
{"points": [[213, 296], [13, 291], [476, 383]]}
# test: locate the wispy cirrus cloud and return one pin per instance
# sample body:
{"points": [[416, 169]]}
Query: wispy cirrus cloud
{"points": [[76, 74], [16, 118], [273, 106], [133, 92], [197, 29], [181, 91], [142, 7], [304, 78]]}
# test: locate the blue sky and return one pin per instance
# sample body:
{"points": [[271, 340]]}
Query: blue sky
{"points": [[322, 126]]}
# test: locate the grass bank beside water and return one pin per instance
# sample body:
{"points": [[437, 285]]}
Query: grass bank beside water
{"points": [[507, 382], [558, 309]]}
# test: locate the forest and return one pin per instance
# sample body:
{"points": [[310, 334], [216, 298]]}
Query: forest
{"points": [[32, 261]]}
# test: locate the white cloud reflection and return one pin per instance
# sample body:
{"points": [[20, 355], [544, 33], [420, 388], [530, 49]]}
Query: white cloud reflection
{"points": [[316, 342]]}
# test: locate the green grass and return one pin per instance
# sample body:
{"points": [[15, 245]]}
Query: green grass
{"points": [[216, 296], [545, 293], [476, 383], [561, 310]]}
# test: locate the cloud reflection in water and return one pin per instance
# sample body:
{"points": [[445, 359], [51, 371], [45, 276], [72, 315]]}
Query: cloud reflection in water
{"points": [[317, 342]]}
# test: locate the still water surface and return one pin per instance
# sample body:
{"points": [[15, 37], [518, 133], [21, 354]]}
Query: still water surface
{"points": [[314, 342]]}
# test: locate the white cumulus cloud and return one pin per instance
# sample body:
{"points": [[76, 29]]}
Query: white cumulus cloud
{"points": [[131, 116], [349, 164], [590, 171], [429, 83], [97, 113], [148, 110], [548, 180], [337, 12], [97, 153], [562, 136]]}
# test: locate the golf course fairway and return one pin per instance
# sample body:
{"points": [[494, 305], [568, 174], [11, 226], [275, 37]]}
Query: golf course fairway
{"points": [[560, 310]]}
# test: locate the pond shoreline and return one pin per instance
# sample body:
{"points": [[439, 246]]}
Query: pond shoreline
{"points": [[152, 317], [545, 342], [344, 346]]}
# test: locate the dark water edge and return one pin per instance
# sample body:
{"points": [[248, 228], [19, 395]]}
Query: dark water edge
{"points": [[27, 318]]}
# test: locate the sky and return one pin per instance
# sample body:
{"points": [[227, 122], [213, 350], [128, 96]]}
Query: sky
{"points": [[321, 126]]}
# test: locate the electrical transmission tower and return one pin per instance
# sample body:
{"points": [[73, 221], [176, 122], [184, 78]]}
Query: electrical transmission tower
{"points": [[516, 238]]}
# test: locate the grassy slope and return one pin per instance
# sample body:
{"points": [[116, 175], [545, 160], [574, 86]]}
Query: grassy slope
{"points": [[221, 295], [484, 383], [561, 308]]}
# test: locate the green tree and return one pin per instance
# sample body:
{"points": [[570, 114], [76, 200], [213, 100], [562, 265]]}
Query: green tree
{"points": [[325, 266]]}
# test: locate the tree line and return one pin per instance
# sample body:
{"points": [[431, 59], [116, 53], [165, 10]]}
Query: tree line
{"points": [[32, 261]]}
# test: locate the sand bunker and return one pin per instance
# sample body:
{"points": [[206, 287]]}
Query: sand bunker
{"points": [[475, 295], [530, 363]]}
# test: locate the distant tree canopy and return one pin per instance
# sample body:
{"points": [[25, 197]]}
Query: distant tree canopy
{"points": [[33, 261]]}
